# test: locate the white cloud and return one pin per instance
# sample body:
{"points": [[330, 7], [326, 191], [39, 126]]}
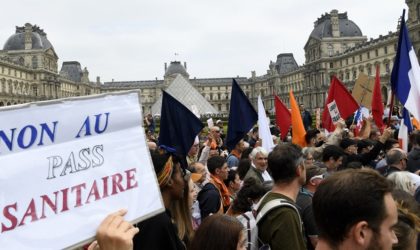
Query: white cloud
{"points": [[131, 40]]}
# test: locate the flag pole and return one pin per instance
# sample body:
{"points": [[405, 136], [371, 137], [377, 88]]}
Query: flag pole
{"points": [[391, 107], [392, 90]]}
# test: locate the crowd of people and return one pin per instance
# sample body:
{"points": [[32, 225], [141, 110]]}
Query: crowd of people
{"points": [[339, 192]]}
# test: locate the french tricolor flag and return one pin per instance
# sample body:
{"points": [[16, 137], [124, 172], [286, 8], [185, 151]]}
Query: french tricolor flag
{"points": [[405, 77], [405, 128]]}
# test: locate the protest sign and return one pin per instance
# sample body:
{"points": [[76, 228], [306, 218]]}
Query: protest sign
{"points": [[66, 164], [363, 90], [334, 112]]}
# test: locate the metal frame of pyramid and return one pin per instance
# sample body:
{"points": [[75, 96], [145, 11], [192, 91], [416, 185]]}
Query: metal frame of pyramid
{"points": [[185, 93]]}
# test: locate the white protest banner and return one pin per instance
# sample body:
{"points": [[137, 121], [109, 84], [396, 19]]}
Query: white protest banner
{"points": [[334, 113], [210, 122], [66, 164]]}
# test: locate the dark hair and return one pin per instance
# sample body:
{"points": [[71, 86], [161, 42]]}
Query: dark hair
{"points": [[246, 153], [346, 198], [331, 151], [214, 163], [311, 134], [159, 159], [217, 232], [389, 144], [283, 161], [243, 167], [251, 190], [255, 130], [231, 177], [354, 165], [415, 137]]}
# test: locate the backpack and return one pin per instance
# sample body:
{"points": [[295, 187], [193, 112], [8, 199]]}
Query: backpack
{"points": [[268, 207], [248, 221]]}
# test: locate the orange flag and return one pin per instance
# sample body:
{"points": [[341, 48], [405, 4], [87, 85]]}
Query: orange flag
{"points": [[415, 123], [298, 130]]}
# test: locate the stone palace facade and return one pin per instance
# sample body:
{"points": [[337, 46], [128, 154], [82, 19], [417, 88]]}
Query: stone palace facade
{"points": [[336, 46]]}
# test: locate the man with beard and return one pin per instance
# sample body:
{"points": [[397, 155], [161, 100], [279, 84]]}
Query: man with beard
{"points": [[278, 220], [354, 209]]}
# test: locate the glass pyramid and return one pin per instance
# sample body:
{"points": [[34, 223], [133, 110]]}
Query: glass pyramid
{"points": [[185, 93]]}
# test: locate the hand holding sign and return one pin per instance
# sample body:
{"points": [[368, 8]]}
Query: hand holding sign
{"points": [[115, 233]]}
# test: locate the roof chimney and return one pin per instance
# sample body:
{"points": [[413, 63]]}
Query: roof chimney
{"points": [[335, 23], [28, 36], [166, 66], [185, 65]]}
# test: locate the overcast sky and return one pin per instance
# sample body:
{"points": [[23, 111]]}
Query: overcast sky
{"points": [[129, 40]]}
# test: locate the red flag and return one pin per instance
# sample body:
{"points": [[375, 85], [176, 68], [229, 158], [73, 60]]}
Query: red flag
{"points": [[377, 106], [298, 130], [344, 100], [283, 119]]}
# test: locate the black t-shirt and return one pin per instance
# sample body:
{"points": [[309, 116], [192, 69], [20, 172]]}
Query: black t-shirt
{"points": [[158, 233]]}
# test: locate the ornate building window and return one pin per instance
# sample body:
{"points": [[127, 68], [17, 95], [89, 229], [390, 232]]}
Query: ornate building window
{"points": [[360, 57], [369, 70], [35, 91], [368, 55], [331, 65], [387, 68], [330, 50], [376, 52], [34, 62], [354, 74], [386, 50]]}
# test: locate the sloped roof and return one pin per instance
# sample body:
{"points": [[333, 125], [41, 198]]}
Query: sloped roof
{"points": [[185, 93]]}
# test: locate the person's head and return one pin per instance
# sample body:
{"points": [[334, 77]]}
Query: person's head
{"points": [[169, 174], [249, 195], [243, 167], [219, 123], [240, 146], [408, 224], [181, 209], [314, 176], [194, 149], [402, 180], [415, 138], [332, 156], [225, 232], [233, 182], [286, 164], [308, 156], [363, 146], [192, 193], [255, 132], [355, 208], [396, 157], [390, 144], [199, 168], [374, 134], [311, 137], [259, 158], [218, 167], [349, 146], [215, 132], [301, 107]]}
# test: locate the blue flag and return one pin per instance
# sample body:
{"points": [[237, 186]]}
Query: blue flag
{"points": [[242, 116], [405, 77], [178, 125]]}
